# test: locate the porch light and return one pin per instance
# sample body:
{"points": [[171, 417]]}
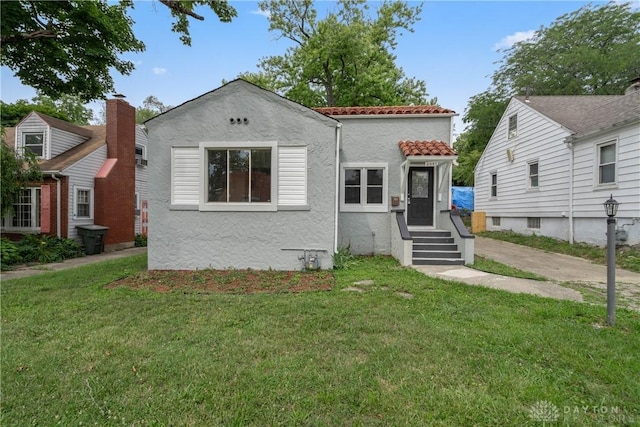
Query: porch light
{"points": [[611, 207]]}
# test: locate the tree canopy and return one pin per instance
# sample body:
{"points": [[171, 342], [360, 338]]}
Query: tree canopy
{"points": [[344, 59], [67, 107], [151, 107], [591, 51], [70, 46]]}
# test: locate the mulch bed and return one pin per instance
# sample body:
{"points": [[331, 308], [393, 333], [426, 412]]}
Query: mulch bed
{"points": [[229, 281]]}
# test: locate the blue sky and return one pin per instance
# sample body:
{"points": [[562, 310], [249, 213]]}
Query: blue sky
{"points": [[454, 49]]}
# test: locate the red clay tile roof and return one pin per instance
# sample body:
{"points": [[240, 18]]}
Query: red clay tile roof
{"points": [[426, 148], [388, 110]]}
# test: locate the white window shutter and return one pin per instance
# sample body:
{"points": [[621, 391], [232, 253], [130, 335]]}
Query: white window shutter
{"points": [[185, 176], [292, 176]]}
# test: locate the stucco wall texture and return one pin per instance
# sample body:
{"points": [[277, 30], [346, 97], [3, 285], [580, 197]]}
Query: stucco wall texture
{"points": [[375, 139], [191, 239]]}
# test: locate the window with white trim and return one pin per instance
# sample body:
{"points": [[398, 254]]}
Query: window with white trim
{"points": [[34, 142], [607, 163], [513, 126], [533, 222], [495, 221], [238, 176], [26, 211], [83, 206], [364, 187], [532, 168], [494, 184]]}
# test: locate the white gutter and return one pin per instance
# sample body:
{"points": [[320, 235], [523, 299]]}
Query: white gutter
{"points": [[337, 207], [570, 145], [58, 205]]}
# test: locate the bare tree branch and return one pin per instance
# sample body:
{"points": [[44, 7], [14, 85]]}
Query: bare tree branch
{"points": [[178, 7], [40, 34]]}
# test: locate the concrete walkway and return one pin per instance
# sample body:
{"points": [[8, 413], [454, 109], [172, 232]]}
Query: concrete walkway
{"points": [[69, 263], [557, 268]]}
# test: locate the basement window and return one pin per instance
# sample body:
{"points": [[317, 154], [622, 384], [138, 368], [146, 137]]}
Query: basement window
{"points": [[533, 222]]}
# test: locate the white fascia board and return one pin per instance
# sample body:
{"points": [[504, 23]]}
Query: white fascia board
{"points": [[439, 159]]}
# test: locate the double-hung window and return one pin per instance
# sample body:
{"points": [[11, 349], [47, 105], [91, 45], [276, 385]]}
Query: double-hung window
{"points": [[607, 163], [239, 176], [533, 175], [364, 187], [34, 142], [84, 203], [26, 211]]}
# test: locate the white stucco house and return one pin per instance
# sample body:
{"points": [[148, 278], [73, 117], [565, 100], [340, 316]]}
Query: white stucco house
{"points": [[554, 160], [242, 177]]}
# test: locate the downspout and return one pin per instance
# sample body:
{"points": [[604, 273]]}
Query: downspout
{"points": [[58, 205], [337, 207], [570, 145]]}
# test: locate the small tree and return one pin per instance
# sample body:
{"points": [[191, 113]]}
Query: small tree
{"points": [[17, 171]]}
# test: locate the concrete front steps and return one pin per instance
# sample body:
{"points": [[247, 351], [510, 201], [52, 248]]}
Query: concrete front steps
{"points": [[435, 247]]}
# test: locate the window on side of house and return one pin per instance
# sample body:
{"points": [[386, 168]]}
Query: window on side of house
{"points": [[533, 174], [34, 142], [607, 163], [26, 211], [364, 187], [513, 126], [494, 185], [533, 222], [84, 203], [495, 221], [239, 177]]}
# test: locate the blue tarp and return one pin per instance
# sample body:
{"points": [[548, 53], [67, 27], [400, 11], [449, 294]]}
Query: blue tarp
{"points": [[462, 197]]}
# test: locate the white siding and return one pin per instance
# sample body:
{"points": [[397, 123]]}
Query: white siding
{"points": [[185, 176], [56, 141], [539, 139], [292, 176], [82, 174], [588, 195], [142, 177], [33, 124], [62, 141]]}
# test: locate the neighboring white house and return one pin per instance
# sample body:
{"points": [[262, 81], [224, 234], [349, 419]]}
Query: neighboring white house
{"points": [[553, 161], [242, 177]]}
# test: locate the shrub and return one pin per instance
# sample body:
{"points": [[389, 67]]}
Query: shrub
{"points": [[9, 254], [45, 249], [343, 258], [140, 240]]}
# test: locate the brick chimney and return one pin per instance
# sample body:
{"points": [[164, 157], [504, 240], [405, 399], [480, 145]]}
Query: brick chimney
{"points": [[115, 182]]}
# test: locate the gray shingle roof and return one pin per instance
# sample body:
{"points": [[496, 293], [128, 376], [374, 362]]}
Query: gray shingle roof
{"points": [[587, 113]]}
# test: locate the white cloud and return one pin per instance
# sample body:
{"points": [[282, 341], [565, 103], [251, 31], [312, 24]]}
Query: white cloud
{"points": [[514, 38], [158, 71], [260, 12]]}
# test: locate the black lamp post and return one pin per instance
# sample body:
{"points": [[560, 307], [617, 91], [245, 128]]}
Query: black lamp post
{"points": [[611, 208]]}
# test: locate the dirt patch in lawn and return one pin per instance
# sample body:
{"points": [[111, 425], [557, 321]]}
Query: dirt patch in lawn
{"points": [[229, 281]]}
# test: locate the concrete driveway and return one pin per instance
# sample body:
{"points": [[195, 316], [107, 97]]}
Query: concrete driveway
{"points": [[565, 274]]}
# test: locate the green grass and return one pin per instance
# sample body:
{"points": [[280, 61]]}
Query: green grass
{"points": [[495, 267], [75, 352], [627, 258]]}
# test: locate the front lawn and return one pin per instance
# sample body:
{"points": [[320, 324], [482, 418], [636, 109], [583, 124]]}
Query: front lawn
{"points": [[398, 348]]}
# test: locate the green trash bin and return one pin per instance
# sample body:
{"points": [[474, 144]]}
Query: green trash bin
{"points": [[92, 237]]}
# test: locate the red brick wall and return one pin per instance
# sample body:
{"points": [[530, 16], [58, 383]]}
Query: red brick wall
{"points": [[115, 193]]}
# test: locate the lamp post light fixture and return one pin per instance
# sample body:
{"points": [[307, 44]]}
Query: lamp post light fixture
{"points": [[611, 208]]}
